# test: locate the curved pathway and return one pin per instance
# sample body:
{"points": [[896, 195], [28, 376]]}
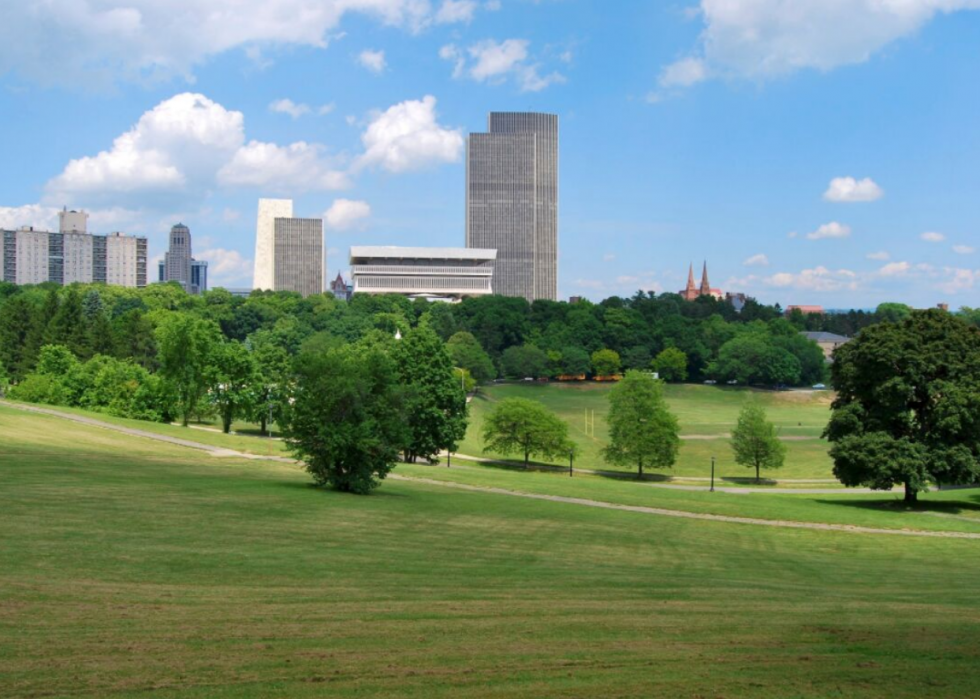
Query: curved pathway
{"points": [[786, 524]]}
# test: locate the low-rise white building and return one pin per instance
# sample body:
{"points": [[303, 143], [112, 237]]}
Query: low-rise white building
{"points": [[433, 273]]}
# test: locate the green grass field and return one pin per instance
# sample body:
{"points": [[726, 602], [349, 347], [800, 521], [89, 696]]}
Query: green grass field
{"points": [[132, 567], [702, 411]]}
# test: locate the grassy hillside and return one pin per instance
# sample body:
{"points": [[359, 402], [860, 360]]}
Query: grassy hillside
{"points": [[707, 414], [131, 567]]}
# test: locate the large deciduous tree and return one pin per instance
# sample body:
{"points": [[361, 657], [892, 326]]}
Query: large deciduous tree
{"points": [[524, 361], [467, 354], [437, 415], [186, 348], [671, 365], [755, 442], [605, 362], [348, 418], [642, 430], [233, 378], [526, 427], [908, 404]]}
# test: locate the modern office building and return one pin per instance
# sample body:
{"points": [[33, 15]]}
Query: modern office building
{"points": [[28, 256], [512, 201], [432, 273], [288, 251], [298, 255], [265, 240]]}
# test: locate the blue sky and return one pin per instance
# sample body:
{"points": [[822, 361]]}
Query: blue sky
{"points": [[814, 152]]}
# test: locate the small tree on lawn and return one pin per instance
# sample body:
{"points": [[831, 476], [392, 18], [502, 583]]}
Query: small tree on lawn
{"points": [[233, 379], [671, 365], [642, 430], [605, 362], [522, 426], [348, 419], [755, 442]]}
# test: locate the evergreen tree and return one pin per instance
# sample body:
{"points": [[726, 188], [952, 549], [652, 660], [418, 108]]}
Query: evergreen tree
{"points": [[68, 325], [133, 337], [39, 334], [17, 321]]}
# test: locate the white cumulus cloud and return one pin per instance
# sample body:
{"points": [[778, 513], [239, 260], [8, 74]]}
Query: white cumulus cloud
{"points": [[830, 230], [881, 255], [893, 269], [759, 260], [298, 167], [762, 39], [374, 61], [933, 237], [408, 137], [816, 279], [177, 146], [95, 43], [964, 249], [453, 11], [344, 214], [287, 106], [496, 62], [850, 190]]}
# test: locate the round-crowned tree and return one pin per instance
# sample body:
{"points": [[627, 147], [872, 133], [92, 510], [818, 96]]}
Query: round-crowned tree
{"points": [[907, 410]]}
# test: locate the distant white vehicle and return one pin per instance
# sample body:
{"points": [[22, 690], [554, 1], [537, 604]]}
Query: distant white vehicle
{"points": [[819, 386], [733, 382], [710, 382], [528, 378]]}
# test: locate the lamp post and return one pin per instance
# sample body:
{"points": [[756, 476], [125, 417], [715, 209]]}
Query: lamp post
{"points": [[712, 474], [571, 460]]}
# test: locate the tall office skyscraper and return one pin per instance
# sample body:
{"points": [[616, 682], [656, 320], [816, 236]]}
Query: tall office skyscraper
{"points": [[288, 251], [177, 260], [512, 201], [299, 255], [265, 240]]}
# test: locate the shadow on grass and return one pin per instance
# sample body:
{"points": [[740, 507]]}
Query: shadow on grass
{"points": [[969, 503], [310, 486]]}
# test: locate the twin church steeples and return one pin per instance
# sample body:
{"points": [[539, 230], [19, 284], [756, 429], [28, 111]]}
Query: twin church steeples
{"points": [[692, 291]]}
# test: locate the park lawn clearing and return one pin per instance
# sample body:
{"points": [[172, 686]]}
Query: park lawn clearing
{"points": [[706, 414], [133, 566]]}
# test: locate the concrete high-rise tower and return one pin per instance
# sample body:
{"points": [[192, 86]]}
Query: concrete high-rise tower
{"points": [[265, 240], [177, 260], [288, 251], [512, 201]]}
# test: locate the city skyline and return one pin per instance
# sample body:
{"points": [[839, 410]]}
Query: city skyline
{"points": [[842, 174]]}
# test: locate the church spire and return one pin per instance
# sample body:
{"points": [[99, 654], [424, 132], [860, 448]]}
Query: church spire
{"points": [[705, 285], [691, 288]]}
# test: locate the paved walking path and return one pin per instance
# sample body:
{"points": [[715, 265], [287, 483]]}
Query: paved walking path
{"points": [[92, 422], [688, 515], [218, 451]]}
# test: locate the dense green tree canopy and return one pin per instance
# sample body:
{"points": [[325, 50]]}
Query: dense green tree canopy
{"points": [[466, 353], [605, 362], [671, 365], [348, 421], [907, 410]]}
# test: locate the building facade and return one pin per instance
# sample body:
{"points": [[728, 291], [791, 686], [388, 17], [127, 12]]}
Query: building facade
{"points": [[177, 259], [341, 289], [431, 273], [298, 255], [265, 240], [512, 201], [28, 256], [828, 342]]}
